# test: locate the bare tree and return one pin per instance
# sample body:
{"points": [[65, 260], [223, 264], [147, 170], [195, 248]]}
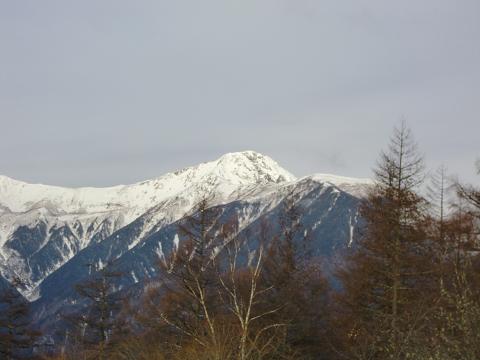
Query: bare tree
{"points": [[244, 295], [184, 303], [470, 193], [437, 193], [456, 321], [386, 279], [212, 297], [92, 325], [298, 286]]}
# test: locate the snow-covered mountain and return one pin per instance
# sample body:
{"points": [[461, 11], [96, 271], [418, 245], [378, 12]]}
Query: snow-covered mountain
{"points": [[226, 175], [48, 234], [42, 227]]}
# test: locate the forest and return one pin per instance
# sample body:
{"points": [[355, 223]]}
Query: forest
{"points": [[408, 288]]}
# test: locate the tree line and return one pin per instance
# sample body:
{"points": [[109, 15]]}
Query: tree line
{"points": [[408, 288]]}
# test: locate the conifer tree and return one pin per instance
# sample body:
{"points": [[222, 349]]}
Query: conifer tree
{"points": [[185, 302], [95, 322], [298, 286], [457, 323], [382, 304], [470, 193], [437, 192]]}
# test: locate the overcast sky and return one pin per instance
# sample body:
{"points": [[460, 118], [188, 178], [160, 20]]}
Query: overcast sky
{"points": [[103, 92]]}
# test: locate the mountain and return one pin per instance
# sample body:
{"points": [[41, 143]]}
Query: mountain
{"points": [[48, 234], [42, 227]]}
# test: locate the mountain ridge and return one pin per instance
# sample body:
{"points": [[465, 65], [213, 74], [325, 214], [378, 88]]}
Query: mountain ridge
{"points": [[28, 195], [80, 195], [43, 227]]}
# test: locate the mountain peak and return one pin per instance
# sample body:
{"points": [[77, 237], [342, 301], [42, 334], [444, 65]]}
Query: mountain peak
{"points": [[251, 166], [228, 173]]}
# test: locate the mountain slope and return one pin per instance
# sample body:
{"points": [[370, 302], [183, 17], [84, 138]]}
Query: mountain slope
{"points": [[42, 227], [48, 235], [329, 216]]}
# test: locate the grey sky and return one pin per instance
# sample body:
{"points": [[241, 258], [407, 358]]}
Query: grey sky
{"points": [[101, 92]]}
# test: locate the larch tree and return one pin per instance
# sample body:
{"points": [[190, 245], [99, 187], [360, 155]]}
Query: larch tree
{"points": [[92, 326], [470, 193], [458, 319], [437, 194], [298, 286], [383, 310], [184, 304], [210, 300]]}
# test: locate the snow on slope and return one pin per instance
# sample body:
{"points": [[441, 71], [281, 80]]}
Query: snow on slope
{"points": [[228, 173], [234, 169], [354, 186], [243, 175], [105, 210]]}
